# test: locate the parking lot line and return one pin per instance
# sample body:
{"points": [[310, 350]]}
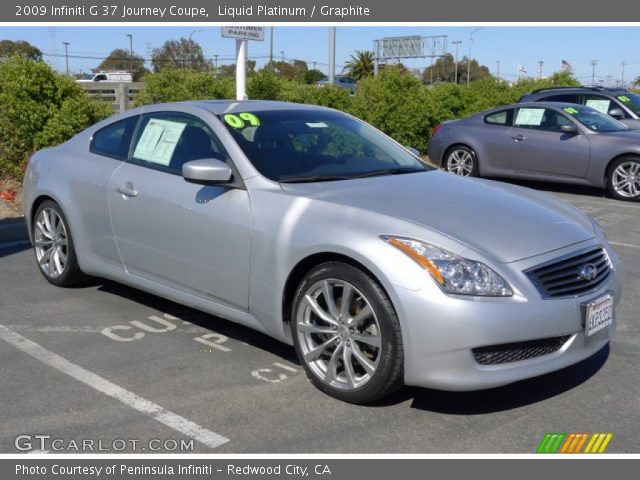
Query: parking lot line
{"points": [[170, 419]]}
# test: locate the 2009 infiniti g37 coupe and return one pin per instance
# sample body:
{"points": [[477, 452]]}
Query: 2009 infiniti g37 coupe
{"points": [[311, 226]]}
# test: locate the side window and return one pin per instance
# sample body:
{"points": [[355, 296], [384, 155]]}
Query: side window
{"points": [[114, 140], [600, 103], [529, 117], [166, 141], [564, 98], [544, 119], [504, 118]]}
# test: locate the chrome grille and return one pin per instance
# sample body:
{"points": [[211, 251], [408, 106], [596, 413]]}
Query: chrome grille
{"points": [[572, 275]]}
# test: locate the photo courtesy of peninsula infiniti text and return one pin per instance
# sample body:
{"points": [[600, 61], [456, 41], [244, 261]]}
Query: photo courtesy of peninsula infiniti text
{"points": [[314, 228]]}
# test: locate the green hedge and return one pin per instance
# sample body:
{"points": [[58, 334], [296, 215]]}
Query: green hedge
{"points": [[40, 108]]}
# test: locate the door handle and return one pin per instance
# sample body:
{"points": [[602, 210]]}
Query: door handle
{"points": [[519, 138], [127, 190]]}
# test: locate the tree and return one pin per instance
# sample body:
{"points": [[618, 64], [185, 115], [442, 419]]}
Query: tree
{"points": [[637, 81], [360, 64], [22, 48], [313, 76], [229, 70], [121, 59], [183, 53], [444, 70], [294, 70]]}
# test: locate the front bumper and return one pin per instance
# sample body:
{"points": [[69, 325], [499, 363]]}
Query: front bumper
{"points": [[440, 331]]}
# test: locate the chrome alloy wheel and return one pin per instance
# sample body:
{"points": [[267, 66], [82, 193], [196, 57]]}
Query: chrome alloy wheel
{"points": [[50, 241], [339, 334], [626, 179], [460, 162]]}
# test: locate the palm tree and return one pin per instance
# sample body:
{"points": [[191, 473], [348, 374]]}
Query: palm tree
{"points": [[361, 64]]}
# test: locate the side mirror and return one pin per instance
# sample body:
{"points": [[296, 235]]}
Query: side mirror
{"points": [[572, 129], [616, 113], [415, 151], [207, 171]]}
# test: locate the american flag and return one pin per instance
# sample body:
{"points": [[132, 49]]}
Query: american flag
{"points": [[566, 66]]}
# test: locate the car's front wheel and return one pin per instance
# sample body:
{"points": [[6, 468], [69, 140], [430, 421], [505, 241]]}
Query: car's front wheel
{"points": [[461, 160], [623, 181], [53, 246], [346, 334]]}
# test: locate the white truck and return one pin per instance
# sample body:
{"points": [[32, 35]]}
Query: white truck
{"points": [[109, 76]]}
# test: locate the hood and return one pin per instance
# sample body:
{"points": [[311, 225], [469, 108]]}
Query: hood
{"points": [[501, 221]]}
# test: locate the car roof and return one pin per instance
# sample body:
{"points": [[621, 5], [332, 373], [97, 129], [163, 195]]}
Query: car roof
{"points": [[583, 89], [226, 106]]}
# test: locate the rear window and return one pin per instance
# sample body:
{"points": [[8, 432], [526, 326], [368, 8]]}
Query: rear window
{"points": [[504, 117], [114, 140]]}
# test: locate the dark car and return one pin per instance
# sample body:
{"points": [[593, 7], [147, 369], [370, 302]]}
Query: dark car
{"points": [[618, 103], [546, 141]]}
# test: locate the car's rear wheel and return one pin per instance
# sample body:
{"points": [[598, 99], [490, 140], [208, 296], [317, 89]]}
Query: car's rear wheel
{"points": [[346, 334], [623, 181], [53, 246], [461, 160]]}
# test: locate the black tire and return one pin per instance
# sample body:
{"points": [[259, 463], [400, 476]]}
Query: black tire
{"points": [[71, 273], [389, 374], [461, 150], [613, 175]]}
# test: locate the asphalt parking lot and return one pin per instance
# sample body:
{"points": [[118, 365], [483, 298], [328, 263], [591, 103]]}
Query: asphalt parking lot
{"points": [[133, 372]]}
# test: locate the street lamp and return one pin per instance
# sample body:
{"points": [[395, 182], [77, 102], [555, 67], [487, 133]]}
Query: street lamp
{"points": [[282, 54], [190, 45], [469, 55]]}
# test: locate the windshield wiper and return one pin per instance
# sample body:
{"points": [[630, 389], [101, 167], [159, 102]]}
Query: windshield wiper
{"points": [[389, 171], [313, 178]]}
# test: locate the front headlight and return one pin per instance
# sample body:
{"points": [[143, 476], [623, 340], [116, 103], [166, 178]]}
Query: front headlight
{"points": [[454, 274]]}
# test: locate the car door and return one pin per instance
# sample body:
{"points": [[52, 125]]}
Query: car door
{"points": [[538, 146], [195, 238]]}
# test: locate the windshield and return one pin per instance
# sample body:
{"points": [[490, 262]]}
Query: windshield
{"points": [[594, 120], [316, 145], [631, 101]]}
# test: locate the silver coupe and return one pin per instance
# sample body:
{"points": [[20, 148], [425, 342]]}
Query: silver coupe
{"points": [[545, 141], [310, 226]]}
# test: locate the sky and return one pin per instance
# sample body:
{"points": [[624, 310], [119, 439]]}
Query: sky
{"points": [[511, 46]]}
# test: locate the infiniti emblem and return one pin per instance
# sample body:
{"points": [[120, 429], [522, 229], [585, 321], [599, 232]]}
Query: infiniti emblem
{"points": [[588, 272]]}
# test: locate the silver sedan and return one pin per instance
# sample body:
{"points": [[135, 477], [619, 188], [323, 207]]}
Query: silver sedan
{"points": [[312, 227], [546, 141]]}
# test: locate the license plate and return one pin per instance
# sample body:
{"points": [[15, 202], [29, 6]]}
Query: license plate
{"points": [[599, 314]]}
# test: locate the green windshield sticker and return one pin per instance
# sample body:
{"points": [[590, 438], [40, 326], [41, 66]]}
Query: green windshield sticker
{"points": [[571, 110], [251, 118], [624, 98], [237, 121]]}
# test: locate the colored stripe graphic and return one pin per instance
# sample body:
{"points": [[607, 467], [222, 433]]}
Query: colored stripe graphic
{"points": [[555, 442]]}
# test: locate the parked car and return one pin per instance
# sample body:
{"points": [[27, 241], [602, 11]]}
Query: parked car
{"points": [[618, 103], [341, 81], [109, 76], [548, 141], [310, 226]]}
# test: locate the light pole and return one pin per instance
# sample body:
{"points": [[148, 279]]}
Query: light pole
{"points": [[282, 54], [469, 56], [498, 70], [215, 59], [130, 51], [624, 64], [540, 64], [332, 55], [455, 76], [66, 54], [271, 50], [191, 44]]}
